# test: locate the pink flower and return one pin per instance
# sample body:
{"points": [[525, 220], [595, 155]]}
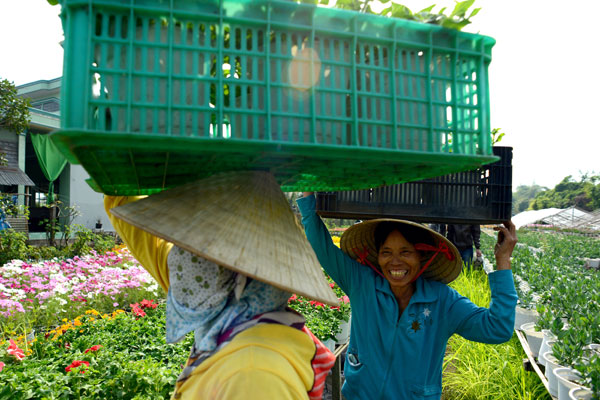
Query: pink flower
{"points": [[344, 299], [332, 285], [1, 366], [93, 348], [293, 298], [76, 364], [15, 351]]}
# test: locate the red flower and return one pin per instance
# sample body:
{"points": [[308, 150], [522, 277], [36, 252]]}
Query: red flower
{"points": [[135, 308], [76, 364], [316, 303], [93, 348], [293, 298], [344, 299], [148, 304], [332, 285], [15, 351]]}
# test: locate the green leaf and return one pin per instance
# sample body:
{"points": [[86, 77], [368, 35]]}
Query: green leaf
{"points": [[53, 2], [452, 24], [427, 10], [475, 12], [401, 11], [461, 8]]}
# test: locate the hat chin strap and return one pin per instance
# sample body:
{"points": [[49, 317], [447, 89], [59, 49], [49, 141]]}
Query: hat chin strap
{"points": [[362, 258], [442, 248]]}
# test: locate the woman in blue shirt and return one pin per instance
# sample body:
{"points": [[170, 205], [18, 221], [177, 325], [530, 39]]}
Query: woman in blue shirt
{"points": [[403, 313]]}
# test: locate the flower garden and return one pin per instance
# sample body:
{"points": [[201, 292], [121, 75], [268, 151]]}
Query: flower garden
{"points": [[93, 326]]}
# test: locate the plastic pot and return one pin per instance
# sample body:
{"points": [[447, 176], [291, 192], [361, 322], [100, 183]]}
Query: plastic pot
{"points": [[524, 315], [581, 394], [534, 338], [551, 365], [568, 379]]}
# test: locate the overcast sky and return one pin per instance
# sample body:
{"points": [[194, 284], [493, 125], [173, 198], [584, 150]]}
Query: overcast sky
{"points": [[544, 75]]}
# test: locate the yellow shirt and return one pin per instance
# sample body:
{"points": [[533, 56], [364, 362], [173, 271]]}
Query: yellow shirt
{"points": [[267, 361], [150, 251]]}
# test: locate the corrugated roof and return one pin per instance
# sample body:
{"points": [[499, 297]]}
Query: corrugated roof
{"points": [[10, 176]]}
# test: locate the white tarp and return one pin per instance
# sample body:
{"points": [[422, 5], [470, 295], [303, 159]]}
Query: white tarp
{"points": [[563, 218], [533, 216]]}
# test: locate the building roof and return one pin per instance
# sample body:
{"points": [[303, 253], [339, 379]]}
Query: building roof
{"points": [[10, 176]]}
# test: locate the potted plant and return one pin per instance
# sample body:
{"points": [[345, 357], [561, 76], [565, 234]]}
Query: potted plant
{"points": [[567, 379]]}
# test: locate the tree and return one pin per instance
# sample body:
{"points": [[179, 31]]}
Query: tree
{"points": [[523, 196], [14, 111], [584, 194]]}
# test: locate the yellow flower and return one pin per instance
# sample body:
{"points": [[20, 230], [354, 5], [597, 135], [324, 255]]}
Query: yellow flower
{"points": [[81, 331], [77, 322], [92, 311]]}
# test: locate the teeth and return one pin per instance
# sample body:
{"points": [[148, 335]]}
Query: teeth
{"points": [[398, 273]]}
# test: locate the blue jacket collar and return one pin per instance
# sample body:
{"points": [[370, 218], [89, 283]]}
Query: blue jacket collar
{"points": [[425, 292]]}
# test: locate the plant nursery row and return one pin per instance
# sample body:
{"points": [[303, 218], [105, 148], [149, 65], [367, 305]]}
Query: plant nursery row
{"points": [[559, 309]]}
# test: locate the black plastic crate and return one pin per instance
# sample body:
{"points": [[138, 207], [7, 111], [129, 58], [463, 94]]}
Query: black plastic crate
{"points": [[480, 196]]}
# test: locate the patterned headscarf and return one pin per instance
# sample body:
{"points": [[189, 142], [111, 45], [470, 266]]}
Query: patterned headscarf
{"points": [[208, 299]]}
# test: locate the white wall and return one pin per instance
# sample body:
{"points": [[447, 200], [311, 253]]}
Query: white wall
{"points": [[89, 203]]}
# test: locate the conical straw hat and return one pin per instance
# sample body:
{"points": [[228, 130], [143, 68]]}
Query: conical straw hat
{"points": [[359, 241], [240, 220]]}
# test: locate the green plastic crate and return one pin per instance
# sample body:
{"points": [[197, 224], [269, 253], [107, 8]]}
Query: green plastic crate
{"points": [[158, 93]]}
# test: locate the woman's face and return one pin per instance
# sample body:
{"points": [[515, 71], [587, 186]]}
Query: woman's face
{"points": [[400, 262]]}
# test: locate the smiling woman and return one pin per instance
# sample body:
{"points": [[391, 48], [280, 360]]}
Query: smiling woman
{"points": [[396, 274]]}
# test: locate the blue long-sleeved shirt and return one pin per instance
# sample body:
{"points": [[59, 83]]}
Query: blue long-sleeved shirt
{"points": [[401, 358]]}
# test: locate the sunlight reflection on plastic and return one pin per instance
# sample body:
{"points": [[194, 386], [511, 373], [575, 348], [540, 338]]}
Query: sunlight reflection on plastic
{"points": [[304, 70]]}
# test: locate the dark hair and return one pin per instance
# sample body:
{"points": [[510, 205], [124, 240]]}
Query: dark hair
{"points": [[411, 233]]}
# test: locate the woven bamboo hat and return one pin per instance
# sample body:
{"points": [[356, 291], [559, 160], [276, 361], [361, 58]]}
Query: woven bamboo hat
{"points": [[358, 242], [241, 221]]}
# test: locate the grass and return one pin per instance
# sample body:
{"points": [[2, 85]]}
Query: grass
{"points": [[476, 371]]}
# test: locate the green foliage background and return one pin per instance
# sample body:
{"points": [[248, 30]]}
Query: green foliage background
{"points": [[14, 111], [583, 193]]}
